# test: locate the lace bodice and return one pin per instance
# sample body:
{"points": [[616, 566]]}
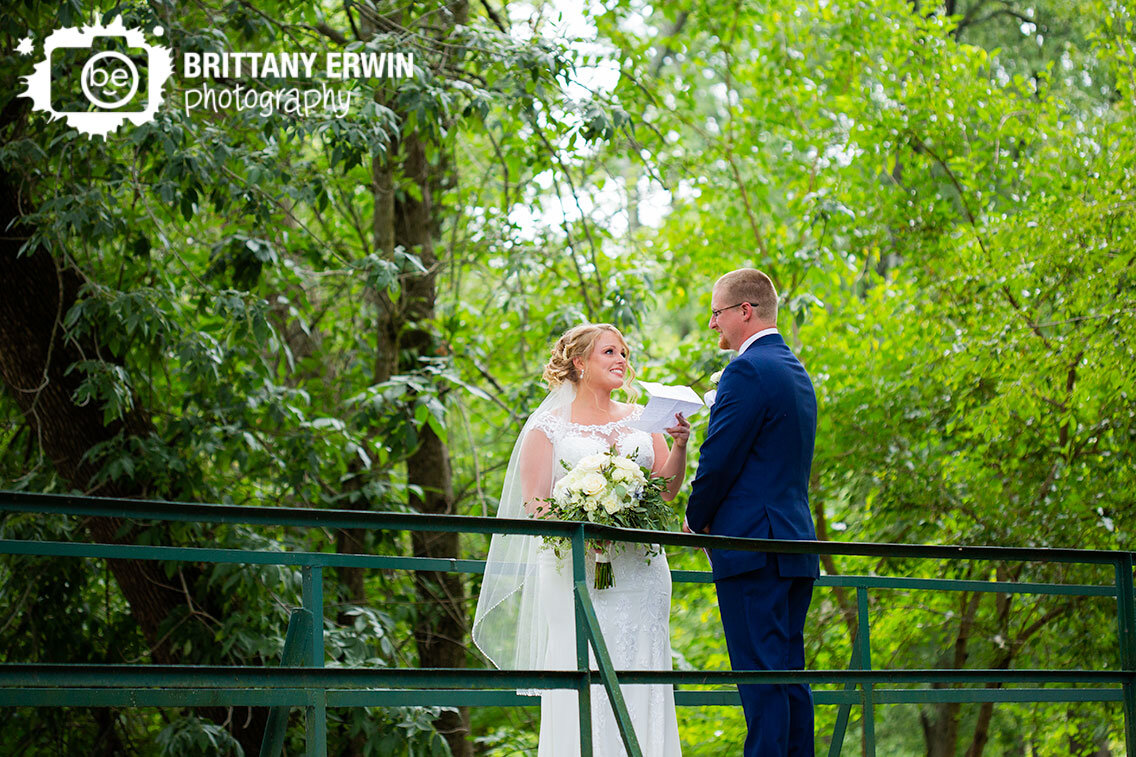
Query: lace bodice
{"points": [[572, 442]]}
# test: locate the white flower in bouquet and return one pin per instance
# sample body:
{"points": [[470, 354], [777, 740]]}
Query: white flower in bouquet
{"points": [[627, 472], [563, 488], [593, 463], [622, 476], [592, 484], [622, 463], [611, 503], [612, 490]]}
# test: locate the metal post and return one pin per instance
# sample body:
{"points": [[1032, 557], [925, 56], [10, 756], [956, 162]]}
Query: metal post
{"points": [[1126, 624], [313, 603], [865, 644], [316, 719], [317, 725], [584, 691]]}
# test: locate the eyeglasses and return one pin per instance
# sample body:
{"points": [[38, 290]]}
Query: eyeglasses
{"points": [[715, 313]]}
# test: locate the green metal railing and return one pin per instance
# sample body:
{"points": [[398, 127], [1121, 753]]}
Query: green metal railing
{"points": [[302, 680]]}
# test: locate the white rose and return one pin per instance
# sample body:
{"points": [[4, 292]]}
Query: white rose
{"points": [[567, 485], [622, 463], [590, 504], [591, 463], [715, 377], [592, 484], [622, 476], [611, 503]]}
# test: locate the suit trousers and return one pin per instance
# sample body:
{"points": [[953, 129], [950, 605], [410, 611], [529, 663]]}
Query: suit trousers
{"points": [[763, 616]]}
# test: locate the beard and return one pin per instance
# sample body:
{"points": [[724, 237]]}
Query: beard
{"points": [[723, 344]]}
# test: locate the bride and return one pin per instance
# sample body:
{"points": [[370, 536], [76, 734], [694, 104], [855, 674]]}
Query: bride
{"points": [[525, 617]]}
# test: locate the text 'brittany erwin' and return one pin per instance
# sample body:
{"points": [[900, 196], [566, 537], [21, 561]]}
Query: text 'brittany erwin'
{"points": [[336, 65]]}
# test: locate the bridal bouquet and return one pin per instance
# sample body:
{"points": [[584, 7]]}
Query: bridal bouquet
{"points": [[611, 490]]}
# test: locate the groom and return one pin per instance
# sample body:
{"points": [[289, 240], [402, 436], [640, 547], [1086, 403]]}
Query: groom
{"points": [[753, 476]]}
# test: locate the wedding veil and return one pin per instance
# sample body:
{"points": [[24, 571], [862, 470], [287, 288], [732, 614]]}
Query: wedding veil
{"points": [[509, 626]]}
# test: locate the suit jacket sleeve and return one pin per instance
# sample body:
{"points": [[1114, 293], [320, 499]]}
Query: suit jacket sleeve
{"points": [[735, 421]]}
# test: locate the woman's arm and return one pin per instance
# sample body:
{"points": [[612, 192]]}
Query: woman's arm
{"points": [[536, 472], [673, 465]]}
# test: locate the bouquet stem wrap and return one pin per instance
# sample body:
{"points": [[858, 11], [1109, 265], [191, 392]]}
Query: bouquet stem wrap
{"points": [[604, 578]]}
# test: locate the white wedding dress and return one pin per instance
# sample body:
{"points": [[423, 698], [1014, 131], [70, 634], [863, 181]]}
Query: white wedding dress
{"points": [[634, 617]]}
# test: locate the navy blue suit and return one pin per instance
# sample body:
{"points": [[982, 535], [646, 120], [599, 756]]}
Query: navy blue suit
{"points": [[752, 481]]}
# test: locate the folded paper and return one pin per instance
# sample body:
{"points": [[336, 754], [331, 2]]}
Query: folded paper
{"points": [[664, 401]]}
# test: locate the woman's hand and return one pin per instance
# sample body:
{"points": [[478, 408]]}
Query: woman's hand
{"points": [[680, 432]]}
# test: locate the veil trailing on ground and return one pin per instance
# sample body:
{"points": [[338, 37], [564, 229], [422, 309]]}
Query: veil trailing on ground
{"points": [[509, 626]]}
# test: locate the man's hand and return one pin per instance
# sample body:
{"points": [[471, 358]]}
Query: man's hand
{"points": [[686, 530]]}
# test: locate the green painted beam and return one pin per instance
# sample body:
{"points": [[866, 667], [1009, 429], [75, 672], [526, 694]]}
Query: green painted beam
{"points": [[309, 687], [950, 584], [583, 687], [390, 562], [237, 556], [825, 698], [864, 647], [315, 726], [297, 644], [79, 696], [692, 577], [1126, 636], [851, 697], [32, 675], [218, 676], [429, 698], [999, 696], [607, 673], [327, 518], [859, 677], [296, 697]]}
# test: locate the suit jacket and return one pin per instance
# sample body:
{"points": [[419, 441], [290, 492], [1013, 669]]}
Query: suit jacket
{"points": [[753, 469]]}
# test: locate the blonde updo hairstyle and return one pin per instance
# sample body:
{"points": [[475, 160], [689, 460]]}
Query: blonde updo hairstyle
{"points": [[578, 342]]}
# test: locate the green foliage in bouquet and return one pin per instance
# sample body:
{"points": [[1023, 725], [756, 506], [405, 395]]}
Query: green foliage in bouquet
{"points": [[609, 489]]}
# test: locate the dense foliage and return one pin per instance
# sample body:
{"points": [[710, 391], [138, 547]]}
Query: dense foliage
{"points": [[354, 312]]}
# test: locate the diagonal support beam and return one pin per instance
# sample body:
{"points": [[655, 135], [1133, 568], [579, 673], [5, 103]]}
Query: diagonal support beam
{"points": [[607, 671], [845, 711], [297, 651]]}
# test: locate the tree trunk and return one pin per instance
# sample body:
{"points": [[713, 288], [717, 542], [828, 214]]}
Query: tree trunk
{"points": [[941, 721], [36, 292], [442, 626], [1003, 603], [401, 220]]}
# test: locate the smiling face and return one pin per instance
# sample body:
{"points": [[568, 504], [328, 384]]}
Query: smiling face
{"points": [[606, 367]]}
